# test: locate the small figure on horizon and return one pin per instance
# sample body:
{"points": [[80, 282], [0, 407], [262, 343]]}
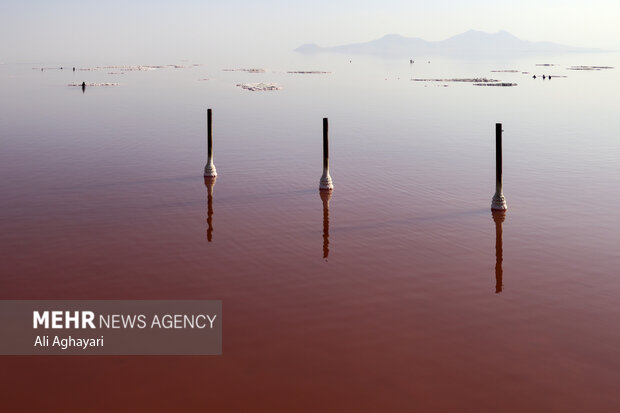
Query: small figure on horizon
{"points": [[41, 69], [410, 60], [74, 68], [549, 77], [543, 77], [534, 76], [83, 87], [60, 67]]}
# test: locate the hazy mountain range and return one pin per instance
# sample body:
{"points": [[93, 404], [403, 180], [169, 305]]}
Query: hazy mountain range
{"points": [[471, 42]]}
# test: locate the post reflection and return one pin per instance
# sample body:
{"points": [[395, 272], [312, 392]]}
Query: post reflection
{"points": [[325, 197], [210, 183], [498, 217]]}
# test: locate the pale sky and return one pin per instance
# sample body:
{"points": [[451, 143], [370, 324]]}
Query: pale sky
{"points": [[37, 30]]}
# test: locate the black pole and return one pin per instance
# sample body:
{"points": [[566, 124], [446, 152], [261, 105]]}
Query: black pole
{"points": [[325, 144], [325, 184], [210, 168], [209, 134], [499, 201], [498, 158]]}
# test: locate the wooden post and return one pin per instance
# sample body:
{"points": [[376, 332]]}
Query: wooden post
{"points": [[326, 180], [210, 168], [499, 201]]}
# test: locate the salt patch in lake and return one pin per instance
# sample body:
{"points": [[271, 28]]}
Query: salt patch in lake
{"points": [[466, 80], [245, 70], [308, 72], [501, 84], [259, 87], [94, 84], [589, 67]]}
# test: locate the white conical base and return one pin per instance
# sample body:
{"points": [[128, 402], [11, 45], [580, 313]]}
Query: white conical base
{"points": [[210, 170], [326, 182], [499, 202]]}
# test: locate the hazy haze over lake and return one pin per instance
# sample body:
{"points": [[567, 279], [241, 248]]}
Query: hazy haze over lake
{"points": [[38, 30]]}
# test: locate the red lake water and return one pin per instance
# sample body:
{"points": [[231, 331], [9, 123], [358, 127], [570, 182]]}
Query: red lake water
{"points": [[401, 292]]}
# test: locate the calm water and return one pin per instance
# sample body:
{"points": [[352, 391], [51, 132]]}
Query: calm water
{"points": [[400, 293]]}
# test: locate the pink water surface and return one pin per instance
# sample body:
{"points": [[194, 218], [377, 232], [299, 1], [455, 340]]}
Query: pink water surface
{"points": [[393, 295]]}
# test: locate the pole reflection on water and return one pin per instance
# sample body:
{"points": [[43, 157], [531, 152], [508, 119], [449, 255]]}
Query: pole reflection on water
{"points": [[498, 216], [325, 197], [210, 183]]}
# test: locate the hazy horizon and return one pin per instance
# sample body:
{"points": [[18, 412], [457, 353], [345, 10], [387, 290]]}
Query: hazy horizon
{"points": [[68, 29]]}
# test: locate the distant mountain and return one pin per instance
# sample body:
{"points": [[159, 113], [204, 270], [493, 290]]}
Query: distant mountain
{"points": [[471, 42]]}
